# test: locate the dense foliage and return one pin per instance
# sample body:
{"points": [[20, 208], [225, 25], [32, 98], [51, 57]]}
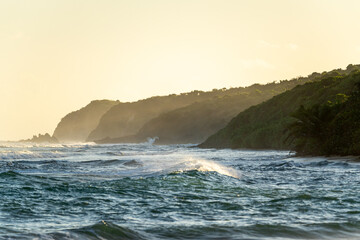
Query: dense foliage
{"points": [[329, 129], [194, 122], [185, 118], [264, 126]]}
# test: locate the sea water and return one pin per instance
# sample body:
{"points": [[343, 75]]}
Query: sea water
{"points": [[144, 191]]}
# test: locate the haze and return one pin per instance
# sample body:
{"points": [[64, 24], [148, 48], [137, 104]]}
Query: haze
{"points": [[57, 56]]}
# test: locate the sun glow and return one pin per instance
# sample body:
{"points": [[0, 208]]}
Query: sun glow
{"points": [[57, 56]]}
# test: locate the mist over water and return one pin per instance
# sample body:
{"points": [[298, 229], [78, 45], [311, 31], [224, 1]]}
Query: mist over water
{"points": [[142, 191]]}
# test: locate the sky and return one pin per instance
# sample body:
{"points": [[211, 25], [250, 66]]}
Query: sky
{"points": [[58, 55]]}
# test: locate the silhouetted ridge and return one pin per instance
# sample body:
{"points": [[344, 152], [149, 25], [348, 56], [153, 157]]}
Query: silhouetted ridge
{"points": [[192, 117], [126, 119], [195, 122], [76, 126]]}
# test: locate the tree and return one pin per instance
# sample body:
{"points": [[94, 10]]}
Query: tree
{"points": [[309, 132]]}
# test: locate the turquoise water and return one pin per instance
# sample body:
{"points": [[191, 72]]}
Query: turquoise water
{"points": [[141, 191]]}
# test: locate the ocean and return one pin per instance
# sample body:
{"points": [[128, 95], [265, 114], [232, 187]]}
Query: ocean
{"points": [[145, 191]]}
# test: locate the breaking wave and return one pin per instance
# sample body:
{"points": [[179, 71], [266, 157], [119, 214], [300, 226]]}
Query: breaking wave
{"points": [[191, 164]]}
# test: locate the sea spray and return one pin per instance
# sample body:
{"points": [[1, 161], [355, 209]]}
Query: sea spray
{"points": [[203, 165], [183, 164], [152, 140], [11, 155]]}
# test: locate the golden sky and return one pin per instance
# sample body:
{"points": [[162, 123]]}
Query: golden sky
{"points": [[58, 55]]}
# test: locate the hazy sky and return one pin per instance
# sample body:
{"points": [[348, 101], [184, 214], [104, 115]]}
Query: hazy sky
{"points": [[57, 56]]}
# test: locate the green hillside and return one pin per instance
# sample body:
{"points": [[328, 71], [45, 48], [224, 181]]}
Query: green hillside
{"points": [[154, 116], [195, 122], [328, 129], [264, 126]]}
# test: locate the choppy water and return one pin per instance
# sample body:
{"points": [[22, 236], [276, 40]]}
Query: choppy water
{"points": [[174, 192]]}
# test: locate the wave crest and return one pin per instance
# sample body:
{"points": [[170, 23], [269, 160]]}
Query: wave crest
{"points": [[210, 166], [106, 230], [201, 165]]}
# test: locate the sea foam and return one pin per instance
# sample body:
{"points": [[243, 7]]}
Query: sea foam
{"points": [[189, 164], [209, 166], [5, 155]]}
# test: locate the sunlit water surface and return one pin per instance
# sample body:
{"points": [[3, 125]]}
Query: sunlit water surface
{"points": [[174, 192]]}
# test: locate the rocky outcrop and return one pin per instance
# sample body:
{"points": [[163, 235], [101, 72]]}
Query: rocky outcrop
{"points": [[46, 138]]}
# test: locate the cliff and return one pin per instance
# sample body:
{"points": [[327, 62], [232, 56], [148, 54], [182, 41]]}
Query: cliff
{"points": [[76, 126], [127, 119]]}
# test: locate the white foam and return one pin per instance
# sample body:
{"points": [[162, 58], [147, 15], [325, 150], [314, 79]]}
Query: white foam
{"points": [[151, 141], [45, 145], [188, 164], [4, 155], [210, 166]]}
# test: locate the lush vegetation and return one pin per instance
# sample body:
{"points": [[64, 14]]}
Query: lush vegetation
{"points": [[195, 122], [317, 114], [265, 126], [164, 116], [328, 129]]}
